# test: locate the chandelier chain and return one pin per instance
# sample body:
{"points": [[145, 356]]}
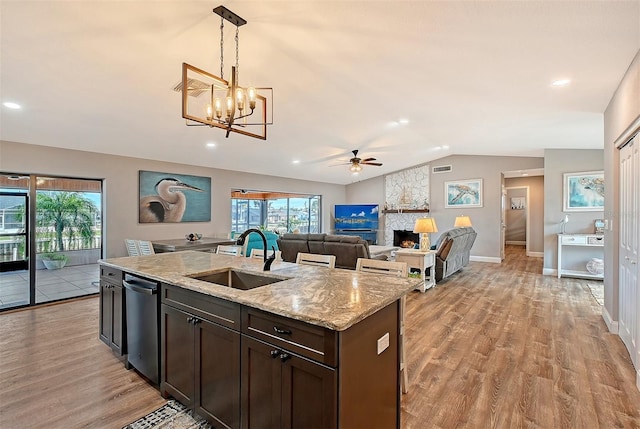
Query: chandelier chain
{"points": [[221, 47], [237, 53]]}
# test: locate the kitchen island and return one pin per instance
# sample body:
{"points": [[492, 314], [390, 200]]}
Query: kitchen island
{"points": [[316, 348]]}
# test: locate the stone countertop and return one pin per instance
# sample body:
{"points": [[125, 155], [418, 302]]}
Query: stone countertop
{"points": [[332, 298]]}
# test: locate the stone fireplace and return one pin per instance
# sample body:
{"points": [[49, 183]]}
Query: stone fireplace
{"points": [[406, 199], [405, 238]]}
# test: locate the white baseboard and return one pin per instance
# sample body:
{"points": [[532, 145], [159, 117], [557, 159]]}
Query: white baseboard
{"points": [[549, 272], [611, 324], [536, 254], [516, 243], [491, 259]]}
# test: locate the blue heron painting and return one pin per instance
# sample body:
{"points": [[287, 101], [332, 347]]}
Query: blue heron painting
{"points": [[166, 198]]}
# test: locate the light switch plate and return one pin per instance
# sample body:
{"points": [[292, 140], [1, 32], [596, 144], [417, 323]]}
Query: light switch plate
{"points": [[383, 343]]}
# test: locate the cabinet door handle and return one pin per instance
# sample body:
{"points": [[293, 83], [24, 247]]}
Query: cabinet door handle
{"points": [[275, 353], [196, 321], [285, 357], [190, 319], [281, 331]]}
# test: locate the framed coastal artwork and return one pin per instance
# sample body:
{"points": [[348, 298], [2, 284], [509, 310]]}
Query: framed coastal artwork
{"points": [[583, 192], [463, 193], [518, 203], [173, 198]]}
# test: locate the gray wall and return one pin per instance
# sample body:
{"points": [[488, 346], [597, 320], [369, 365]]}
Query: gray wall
{"points": [[120, 202], [621, 116], [486, 220], [556, 163]]}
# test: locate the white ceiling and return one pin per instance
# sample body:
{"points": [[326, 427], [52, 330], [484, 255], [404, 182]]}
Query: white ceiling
{"points": [[472, 77]]}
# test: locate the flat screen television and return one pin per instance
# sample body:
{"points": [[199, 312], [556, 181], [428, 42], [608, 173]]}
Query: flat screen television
{"points": [[356, 217]]}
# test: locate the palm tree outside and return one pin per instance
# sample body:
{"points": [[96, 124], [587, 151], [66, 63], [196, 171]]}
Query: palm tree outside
{"points": [[66, 211]]}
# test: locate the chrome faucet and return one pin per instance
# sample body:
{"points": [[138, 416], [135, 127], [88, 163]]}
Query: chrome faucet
{"points": [[267, 261]]}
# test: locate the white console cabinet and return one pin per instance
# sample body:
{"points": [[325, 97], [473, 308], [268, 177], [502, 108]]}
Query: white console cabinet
{"points": [[582, 240]]}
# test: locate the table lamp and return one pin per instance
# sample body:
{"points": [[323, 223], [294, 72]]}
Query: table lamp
{"points": [[424, 226], [462, 222]]}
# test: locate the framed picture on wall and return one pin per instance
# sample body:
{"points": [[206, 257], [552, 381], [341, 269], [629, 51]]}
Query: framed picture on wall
{"points": [[463, 193], [517, 203], [171, 198], [583, 192]]}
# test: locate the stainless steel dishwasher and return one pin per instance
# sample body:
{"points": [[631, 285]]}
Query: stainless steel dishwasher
{"points": [[143, 330]]}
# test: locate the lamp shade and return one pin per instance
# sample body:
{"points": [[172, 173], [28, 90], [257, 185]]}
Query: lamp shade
{"points": [[425, 225], [462, 222]]}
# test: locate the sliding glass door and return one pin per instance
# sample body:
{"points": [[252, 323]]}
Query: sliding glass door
{"points": [[50, 238]]}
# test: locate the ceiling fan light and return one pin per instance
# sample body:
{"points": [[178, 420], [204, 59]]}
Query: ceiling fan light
{"points": [[355, 167]]}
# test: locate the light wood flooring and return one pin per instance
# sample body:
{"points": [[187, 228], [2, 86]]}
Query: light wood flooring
{"points": [[496, 345]]}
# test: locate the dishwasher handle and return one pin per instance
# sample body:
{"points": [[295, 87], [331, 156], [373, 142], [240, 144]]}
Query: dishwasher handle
{"points": [[136, 288]]}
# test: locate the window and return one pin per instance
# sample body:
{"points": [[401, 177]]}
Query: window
{"points": [[275, 211]]}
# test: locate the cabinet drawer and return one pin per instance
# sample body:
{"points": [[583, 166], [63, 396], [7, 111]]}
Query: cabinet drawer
{"points": [[574, 239], [113, 275], [314, 342], [594, 239], [210, 308]]}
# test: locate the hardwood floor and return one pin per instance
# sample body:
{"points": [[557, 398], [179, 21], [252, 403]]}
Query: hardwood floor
{"points": [[503, 346], [497, 345]]}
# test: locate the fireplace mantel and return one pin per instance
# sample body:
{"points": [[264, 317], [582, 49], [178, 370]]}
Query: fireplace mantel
{"points": [[405, 211]]}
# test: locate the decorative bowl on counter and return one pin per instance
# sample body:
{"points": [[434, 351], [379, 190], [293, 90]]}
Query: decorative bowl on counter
{"points": [[193, 236]]}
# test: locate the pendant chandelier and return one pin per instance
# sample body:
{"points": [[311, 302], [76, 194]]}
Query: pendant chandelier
{"points": [[209, 100]]}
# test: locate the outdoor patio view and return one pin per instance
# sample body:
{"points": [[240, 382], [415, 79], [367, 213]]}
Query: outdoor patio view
{"points": [[67, 244], [275, 212]]}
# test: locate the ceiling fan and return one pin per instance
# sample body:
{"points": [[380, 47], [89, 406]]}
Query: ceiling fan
{"points": [[357, 163]]}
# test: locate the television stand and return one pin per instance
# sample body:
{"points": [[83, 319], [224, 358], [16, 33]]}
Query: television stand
{"points": [[369, 235]]}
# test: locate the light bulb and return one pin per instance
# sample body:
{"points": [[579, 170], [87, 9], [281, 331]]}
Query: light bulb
{"points": [[252, 97], [240, 98], [209, 112], [355, 167], [229, 107], [218, 105]]}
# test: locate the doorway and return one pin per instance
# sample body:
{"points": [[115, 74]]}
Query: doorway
{"points": [[517, 217]]}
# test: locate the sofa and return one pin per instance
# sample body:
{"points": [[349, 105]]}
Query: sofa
{"points": [[453, 250], [346, 248]]}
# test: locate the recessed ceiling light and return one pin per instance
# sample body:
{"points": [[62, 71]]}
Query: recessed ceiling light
{"points": [[11, 105], [211, 144], [295, 161], [561, 82], [403, 121]]}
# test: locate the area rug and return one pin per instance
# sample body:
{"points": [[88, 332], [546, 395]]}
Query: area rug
{"points": [[172, 415], [597, 291]]}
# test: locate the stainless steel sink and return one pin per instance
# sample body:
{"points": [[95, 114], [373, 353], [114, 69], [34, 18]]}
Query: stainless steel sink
{"points": [[237, 279]]}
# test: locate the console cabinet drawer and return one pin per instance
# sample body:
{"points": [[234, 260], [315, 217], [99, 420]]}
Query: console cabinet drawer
{"points": [[595, 239], [213, 309], [574, 239], [314, 342]]}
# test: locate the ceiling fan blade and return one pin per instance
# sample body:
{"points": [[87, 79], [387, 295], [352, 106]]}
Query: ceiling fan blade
{"points": [[378, 164], [368, 159]]}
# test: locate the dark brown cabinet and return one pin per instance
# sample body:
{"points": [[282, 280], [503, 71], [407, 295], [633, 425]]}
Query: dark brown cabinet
{"points": [[283, 390], [201, 359], [240, 367], [112, 310]]}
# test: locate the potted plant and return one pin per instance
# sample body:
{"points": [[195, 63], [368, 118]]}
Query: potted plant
{"points": [[54, 261]]}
